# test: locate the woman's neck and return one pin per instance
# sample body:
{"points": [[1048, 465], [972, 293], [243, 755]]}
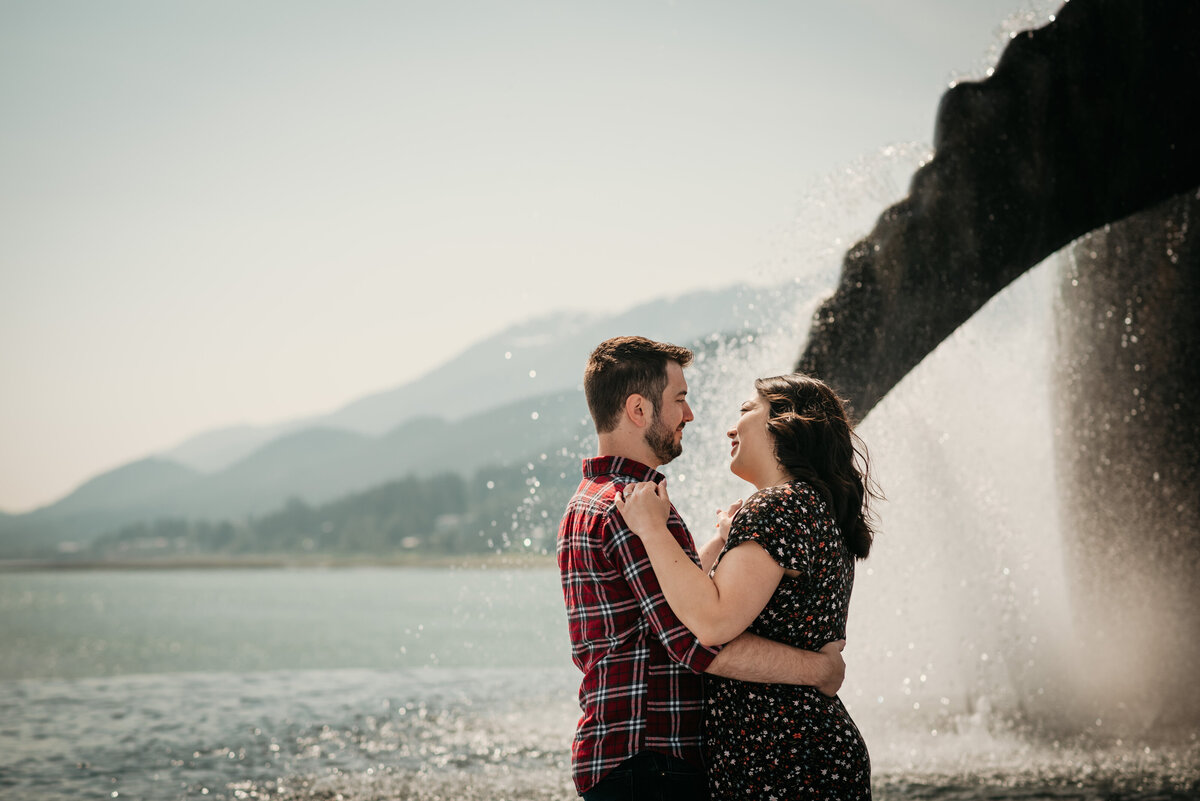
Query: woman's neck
{"points": [[777, 478]]}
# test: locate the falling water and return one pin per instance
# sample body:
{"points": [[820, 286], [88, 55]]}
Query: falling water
{"points": [[965, 670], [964, 666]]}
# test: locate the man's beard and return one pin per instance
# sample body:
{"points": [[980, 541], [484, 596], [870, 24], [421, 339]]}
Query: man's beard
{"points": [[662, 441]]}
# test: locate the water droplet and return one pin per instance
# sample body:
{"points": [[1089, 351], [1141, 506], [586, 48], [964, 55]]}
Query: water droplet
{"points": [[508, 354], [533, 373], [533, 416]]}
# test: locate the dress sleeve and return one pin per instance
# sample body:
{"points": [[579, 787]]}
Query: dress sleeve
{"points": [[628, 555], [775, 519]]}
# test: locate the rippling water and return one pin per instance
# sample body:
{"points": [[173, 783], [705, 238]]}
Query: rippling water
{"points": [[421, 733], [397, 684]]}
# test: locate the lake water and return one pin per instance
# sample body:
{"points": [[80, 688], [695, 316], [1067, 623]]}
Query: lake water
{"points": [[399, 683]]}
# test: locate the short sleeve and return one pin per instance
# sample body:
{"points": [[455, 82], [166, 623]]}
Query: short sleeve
{"points": [[777, 519]]}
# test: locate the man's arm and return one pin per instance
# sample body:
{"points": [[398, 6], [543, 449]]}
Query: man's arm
{"points": [[751, 658]]}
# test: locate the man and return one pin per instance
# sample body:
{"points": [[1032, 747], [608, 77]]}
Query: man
{"points": [[641, 694]]}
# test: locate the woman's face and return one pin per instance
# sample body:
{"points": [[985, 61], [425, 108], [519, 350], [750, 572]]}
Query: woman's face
{"points": [[752, 448]]}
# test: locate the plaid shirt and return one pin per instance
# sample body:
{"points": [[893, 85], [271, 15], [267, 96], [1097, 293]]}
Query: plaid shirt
{"points": [[641, 689]]}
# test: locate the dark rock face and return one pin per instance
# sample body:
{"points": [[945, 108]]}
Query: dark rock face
{"points": [[1085, 121], [1089, 124]]}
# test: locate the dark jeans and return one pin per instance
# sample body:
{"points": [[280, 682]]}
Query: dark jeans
{"points": [[650, 776]]}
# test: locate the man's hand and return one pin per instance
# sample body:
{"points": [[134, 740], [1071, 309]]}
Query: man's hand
{"points": [[836, 668]]}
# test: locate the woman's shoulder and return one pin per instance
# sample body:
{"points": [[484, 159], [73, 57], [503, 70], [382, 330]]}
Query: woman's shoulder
{"points": [[803, 492], [796, 493], [779, 503], [780, 519], [797, 502]]}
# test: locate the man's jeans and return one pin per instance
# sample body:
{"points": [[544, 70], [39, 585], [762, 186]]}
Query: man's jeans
{"points": [[650, 776]]}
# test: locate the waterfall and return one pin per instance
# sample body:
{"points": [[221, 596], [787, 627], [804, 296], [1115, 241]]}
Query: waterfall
{"points": [[963, 657]]}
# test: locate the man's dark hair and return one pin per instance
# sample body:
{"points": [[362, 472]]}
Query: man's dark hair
{"points": [[624, 366]]}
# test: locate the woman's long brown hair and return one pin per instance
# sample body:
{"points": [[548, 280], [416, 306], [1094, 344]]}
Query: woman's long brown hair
{"points": [[815, 443]]}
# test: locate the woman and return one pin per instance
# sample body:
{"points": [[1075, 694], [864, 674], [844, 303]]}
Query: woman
{"points": [[784, 568]]}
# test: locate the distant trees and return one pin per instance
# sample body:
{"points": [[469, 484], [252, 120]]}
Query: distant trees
{"points": [[496, 509]]}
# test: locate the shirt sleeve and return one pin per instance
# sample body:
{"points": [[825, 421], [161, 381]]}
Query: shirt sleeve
{"points": [[774, 518], [628, 555]]}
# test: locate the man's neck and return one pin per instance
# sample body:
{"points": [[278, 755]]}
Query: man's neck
{"points": [[611, 446]]}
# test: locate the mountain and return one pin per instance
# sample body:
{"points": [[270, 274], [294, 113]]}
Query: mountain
{"points": [[129, 492], [320, 465], [506, 400], [497, 370], [134, 484], [316, 466]]}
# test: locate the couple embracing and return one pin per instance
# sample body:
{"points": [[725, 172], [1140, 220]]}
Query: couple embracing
{"points": [[713, 674]]}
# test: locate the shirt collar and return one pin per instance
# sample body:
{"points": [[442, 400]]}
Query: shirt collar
{"points": [[619, 465]]}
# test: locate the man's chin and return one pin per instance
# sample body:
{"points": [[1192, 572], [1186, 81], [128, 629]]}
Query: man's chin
{"points": [[665, 448], [667, 456]]}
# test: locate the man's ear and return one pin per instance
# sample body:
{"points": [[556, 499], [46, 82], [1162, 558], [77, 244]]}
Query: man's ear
{"points": [[638, 410]]}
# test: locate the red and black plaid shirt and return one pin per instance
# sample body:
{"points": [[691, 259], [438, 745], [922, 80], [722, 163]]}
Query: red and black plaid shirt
{"points": [[641, 689]]}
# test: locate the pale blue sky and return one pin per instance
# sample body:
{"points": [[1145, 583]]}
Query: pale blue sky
{"points": [[224, 212]]}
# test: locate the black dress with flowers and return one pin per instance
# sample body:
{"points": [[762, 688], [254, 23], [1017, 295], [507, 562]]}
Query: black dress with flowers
{"points": [[781, 741]]}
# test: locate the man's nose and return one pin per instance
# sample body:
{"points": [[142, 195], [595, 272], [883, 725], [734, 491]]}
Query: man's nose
{"points": [[687, 413]]}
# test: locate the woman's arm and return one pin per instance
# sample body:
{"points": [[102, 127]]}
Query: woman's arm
{"points": [[712, 549], [715, 610], [709, 554]]}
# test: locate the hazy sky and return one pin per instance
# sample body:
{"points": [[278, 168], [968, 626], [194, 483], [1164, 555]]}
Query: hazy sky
{"points": [[226, 212]]}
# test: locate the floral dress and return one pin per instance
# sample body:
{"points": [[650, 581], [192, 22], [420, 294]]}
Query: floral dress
{"points": [[779, 741]]}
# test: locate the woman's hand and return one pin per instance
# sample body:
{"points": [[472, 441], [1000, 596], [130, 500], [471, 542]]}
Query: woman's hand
{"points": [[725, 518], [645, 507]]}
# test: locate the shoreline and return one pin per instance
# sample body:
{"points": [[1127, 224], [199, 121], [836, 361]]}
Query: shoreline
{"points": [[285, 562]]}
